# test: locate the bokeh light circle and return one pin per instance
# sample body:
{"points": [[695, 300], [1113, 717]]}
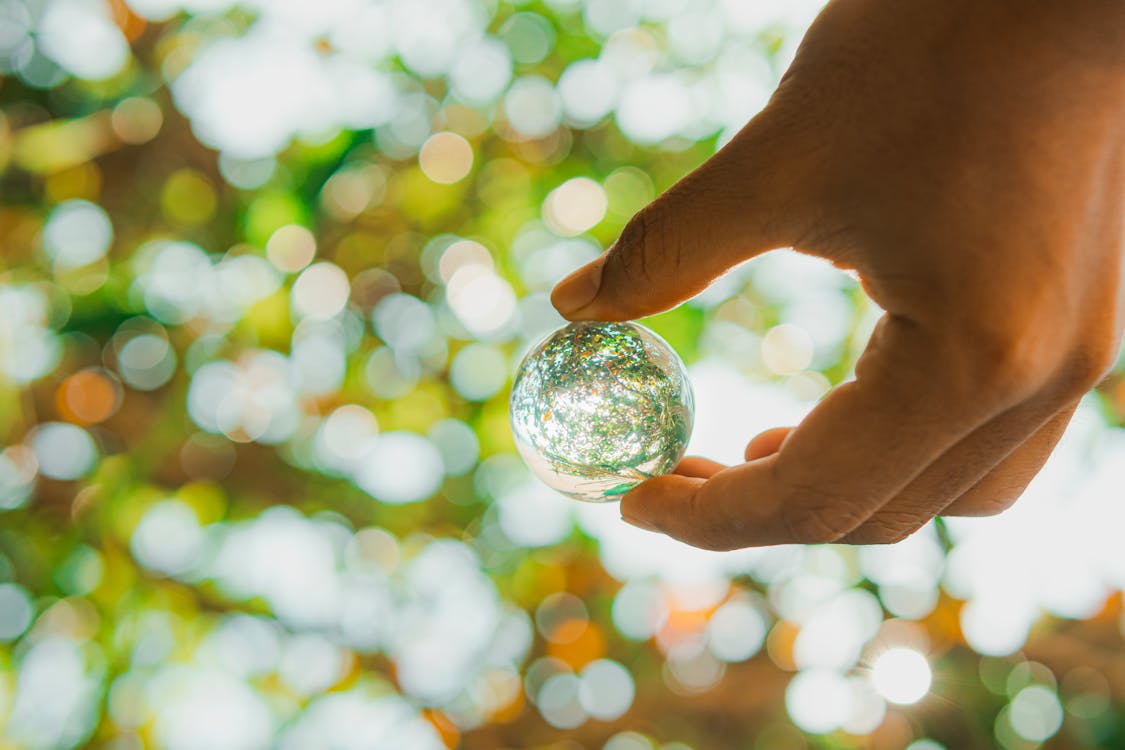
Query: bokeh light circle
{"points": [[400, 467], [63, 451], [901, 675]]}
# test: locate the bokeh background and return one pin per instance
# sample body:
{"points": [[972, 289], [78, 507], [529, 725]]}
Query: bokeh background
{"points": [[266, 268]]}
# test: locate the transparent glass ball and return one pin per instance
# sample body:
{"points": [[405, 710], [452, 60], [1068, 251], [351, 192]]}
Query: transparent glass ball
{"points": [[597, 408]]}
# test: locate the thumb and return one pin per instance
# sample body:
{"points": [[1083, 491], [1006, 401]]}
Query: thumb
{"points": [[731, 208], [766, 443]]}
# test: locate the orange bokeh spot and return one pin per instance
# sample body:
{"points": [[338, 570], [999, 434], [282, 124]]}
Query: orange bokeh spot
{"points": [[1112, 609], [780, 645], [450, 734], [684, 622], [510, 711], [88, 397], [582, 643], [568, 630], [131, 25], [945, 621]]}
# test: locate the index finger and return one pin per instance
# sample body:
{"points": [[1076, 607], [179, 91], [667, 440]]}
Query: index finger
{"points": [[912, 399]]}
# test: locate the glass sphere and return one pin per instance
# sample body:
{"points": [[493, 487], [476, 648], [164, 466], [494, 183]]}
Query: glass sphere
{"points": [[597, 408]]}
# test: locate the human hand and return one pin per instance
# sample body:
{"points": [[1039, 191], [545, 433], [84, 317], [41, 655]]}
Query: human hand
{"points": [[967, 159]]}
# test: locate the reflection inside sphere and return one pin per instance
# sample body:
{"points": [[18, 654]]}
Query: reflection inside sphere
{"points": [[598, 408]]}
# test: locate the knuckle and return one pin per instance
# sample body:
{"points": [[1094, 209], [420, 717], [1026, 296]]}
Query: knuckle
{"points": [[1011, 358], [1000, 361], [1006, 362], [643, 259], [1084, 368], [644, 245]]}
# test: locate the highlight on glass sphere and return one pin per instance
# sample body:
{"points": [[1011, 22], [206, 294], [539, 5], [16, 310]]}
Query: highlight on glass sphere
{"points": [[598, 408]]}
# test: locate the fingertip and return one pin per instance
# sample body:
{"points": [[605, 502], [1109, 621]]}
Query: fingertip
{"points": [[698, 467], [574, 294], [649, 504], [767, 443]]}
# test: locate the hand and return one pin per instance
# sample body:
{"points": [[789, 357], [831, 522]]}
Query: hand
{"points": [[967, 158]]}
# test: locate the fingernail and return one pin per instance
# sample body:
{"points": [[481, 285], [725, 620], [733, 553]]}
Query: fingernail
{"points": [[640, 523], [579, 289]]}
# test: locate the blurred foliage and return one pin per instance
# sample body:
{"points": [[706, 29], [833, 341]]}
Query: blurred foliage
{"points": [[265, 271]]}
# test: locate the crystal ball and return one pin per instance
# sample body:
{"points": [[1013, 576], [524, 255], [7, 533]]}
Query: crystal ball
{"points": [[597, 408]]}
